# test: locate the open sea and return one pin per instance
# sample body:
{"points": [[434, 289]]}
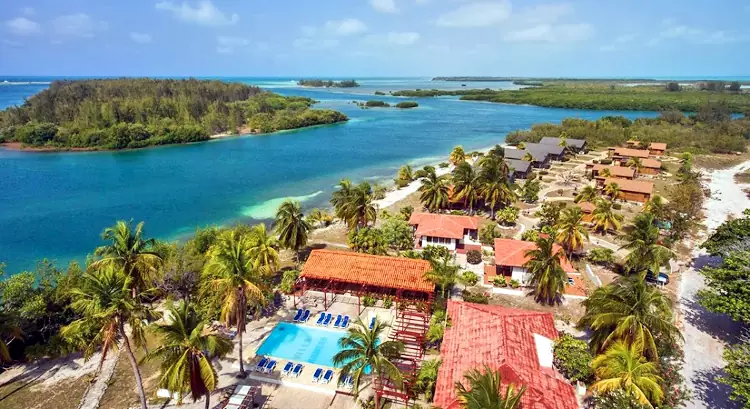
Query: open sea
{"points": [[55, 205]]}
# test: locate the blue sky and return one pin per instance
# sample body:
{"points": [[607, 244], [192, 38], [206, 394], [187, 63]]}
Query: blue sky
{"points": [[375, 37]]}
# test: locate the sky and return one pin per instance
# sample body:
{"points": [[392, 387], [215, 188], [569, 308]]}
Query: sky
{"points": [[349, 38]]}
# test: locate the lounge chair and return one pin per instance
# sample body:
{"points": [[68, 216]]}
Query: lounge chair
{"points": [[269, 366], [338, 321], [305, 316], [328, 376], [237, 399], [297, 370], [316, 375], [327, 320], [372, 322], [287, 368], [259, 367], [345, 323], [298, 316], [347, 382], [321, 318], [242, 390]]}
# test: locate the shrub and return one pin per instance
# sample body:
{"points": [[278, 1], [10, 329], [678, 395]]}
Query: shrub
{"points": [[543, 172], [430, 253], [407, 104], [530, 235], [387, 302], [468, 278], [499, 281], [488, 234], [572, 358], [473, 257], [368, 301], [476, 298], [617, 206], [606, 161], [508, 215], [288, 279], [397, 233], [379, 93], [595, 161], [514, 284], [401, 183], [601, 255], [443, 165]]}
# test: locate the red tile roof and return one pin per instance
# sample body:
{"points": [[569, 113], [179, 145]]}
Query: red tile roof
{"points": [[512, 253], [636, 186], [442, 225], [503, 339], [660, 146], [357, 268], [615, 171], [651, 163], [586, 207], [636, 153]]}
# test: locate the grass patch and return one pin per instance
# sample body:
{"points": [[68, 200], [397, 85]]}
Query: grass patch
{"points": [[742, 177], [716, 162], [121, 391], [26, 394]]}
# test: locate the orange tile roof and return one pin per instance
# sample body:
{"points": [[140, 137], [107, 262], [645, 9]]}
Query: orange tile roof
{"points": [[357, 268], [661, 146], [442, 225], [637, 186], [586, 207], [512, 253], [634, 153], [577, 288], [651, 163], [503, 339], [616, 171]]}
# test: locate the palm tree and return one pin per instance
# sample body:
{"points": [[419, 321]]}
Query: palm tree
{"points": [[528, 157], [613, 190], [230, 275], [494, 186], [457, 155], [636, 164], [319, 216], [605, 173], [361, 351], [406, 172], [642, 242], [605, 218], [655, 206], [130, 251], [623, 367], [587, 194], [427, 377], [629, 310], [341, 197], [263, 248], [466, 185], [105, 302], [434, 191], [443, 273], [547, 275], [186, 352], [570, 230], [292, 227], [9, 332], [353, 204], [484, 391]]}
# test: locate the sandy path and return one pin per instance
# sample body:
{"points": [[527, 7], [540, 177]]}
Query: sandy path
{"points": [[395, 196], [706, 333]]}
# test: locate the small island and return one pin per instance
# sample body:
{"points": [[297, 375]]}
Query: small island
{"points": [[383, 104], [131, 113], [327, 83]]}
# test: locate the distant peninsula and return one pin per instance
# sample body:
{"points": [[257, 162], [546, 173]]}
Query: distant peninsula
{"points": [[328, 83], [128, 113]]}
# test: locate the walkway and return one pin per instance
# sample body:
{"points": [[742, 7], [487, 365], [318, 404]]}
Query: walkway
{"points": [[96, 390]]}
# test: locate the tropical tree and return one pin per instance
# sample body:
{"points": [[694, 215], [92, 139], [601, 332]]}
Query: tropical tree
{"points": [[186, 351], [291, 226], [605, 173], [484, 390], [613, 190], [457, 155], [263, 248], [129, 250], [530, 191], [353, 204], [428, 373], [635, 164], [406, 173], [655, 206], [105, 302], [494, 186], [570, 230], [547, 275], [605, 218], [340, 199], [528, 157], [629, 310], [587, 194], [319, 216], [443, 273], [230, 275], [466, 185], [434, 191], [642, 243], [623, 367], [361, 351]]}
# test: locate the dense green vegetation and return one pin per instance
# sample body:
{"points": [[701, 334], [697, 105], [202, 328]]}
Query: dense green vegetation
{"points": [[134, 113], [328, 83], [377, 104], [423, 93], [407, 104]]}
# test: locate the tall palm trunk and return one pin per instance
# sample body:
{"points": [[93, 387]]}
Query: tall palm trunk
{"points": [[208, 399], [241, 326], [134, 366]]}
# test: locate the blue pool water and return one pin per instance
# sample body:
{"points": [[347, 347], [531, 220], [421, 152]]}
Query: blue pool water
{"points": [[302, 343]]}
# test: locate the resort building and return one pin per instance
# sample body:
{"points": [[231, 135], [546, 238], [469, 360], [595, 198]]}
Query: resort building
{"points": [[657, 148], [516, 342], [450, 231], [519, 169], [650, 167], [576, 145], [554, 152], [632, 190], [510, 258], [587, 208], [632, 143], [615, 172], [623, 154], [540, 159]]}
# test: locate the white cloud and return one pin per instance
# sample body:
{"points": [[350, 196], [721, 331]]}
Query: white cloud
{"points": [[384, 6], [680, 32], [79, 25], [21, 26], [141, 38], [205, 13], [393, 38], [227, 45], [349, 26], [562, 33], [311, 44], [476, 15], [28, 11], [543, 13]]}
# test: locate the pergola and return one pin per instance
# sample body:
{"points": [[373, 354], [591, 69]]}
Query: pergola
{"points": [[341, 272]]}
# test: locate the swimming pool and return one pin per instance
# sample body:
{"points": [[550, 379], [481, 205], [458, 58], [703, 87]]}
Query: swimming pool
{"points": [[302, 343]]}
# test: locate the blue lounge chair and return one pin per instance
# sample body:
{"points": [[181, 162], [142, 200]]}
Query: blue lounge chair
{"points": [[338, 321], [261, 364], [269, 366], [372, 322], [297, 370], [327, 320], [345, 323], [298, 316], [316, 375], [321, 318], [347, 382], [287, 368], [305, 316], [328, 376]]}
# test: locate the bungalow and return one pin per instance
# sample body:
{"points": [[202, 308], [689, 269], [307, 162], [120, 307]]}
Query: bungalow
{"points": [[446, 230], [539, 159], [510, 257], [623, 154], [554, 152], [615, 172], [576, 145], [657, 148], [587, 208], [632, 190], [633, 143], [650, 167], [519, 169]]}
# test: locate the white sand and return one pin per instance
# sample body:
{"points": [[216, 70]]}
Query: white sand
{"points": [[398, 195], [727, 196]]}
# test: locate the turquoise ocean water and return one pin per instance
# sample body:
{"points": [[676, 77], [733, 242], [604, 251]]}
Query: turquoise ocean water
{"points": [[55, 205]]}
